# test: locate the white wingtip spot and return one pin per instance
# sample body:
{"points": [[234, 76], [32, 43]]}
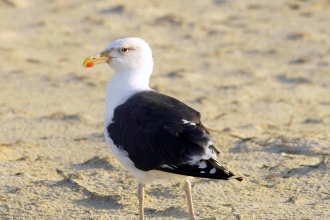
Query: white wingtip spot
{"points": [[202, 171], [213, 171], [166, 166], [188, 122], [202, 165]]}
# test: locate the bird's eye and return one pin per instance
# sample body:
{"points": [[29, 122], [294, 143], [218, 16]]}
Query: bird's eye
{"points": [[124, 49]]}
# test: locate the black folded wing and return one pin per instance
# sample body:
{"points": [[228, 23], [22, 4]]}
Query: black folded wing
{"points": [[161, 133]]}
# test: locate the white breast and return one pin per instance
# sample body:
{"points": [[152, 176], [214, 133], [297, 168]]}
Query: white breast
{"points": [[119, 89]]}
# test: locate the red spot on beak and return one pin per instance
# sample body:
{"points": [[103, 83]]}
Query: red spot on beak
{"points": [[90, 65]]}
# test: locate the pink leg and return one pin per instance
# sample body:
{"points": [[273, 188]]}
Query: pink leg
{"points": [[141, 200], [187, 189]]}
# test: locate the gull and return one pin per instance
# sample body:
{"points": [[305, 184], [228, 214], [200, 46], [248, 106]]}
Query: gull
{"points": [[151, 134]]}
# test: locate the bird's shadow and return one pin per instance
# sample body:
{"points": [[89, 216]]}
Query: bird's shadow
{"points": [[98, 201], [96, 162], [172, 211], [94, 199]]}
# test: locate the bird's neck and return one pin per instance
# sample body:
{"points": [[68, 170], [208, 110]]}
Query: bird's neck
{"points": [[122, 86]]}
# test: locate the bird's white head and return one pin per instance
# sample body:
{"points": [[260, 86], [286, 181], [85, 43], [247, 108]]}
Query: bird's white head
{"points": [[124, 55]]}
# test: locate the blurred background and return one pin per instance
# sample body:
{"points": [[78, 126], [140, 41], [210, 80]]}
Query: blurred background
{"points": [[258, 71]]}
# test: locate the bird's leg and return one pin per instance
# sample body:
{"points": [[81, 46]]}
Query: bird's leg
{"points": [[141, 200], [187, 189]]}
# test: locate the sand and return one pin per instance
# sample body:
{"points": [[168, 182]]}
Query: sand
{"points": [[257, 71]]}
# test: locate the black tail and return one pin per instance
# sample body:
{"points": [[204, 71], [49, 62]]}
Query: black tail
{"points": [[211, 169], [221, 170]]}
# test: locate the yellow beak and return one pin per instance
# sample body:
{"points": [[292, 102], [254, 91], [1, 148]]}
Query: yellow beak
{"points": [[89, 62]]}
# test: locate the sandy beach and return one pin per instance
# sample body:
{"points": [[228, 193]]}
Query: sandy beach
{"points": [[259, 73]]}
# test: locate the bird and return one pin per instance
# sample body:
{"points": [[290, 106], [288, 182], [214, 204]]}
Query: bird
{"points": [[151, 134]]}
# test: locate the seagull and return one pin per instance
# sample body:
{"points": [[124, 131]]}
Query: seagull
{"points": [[151, 134]]}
